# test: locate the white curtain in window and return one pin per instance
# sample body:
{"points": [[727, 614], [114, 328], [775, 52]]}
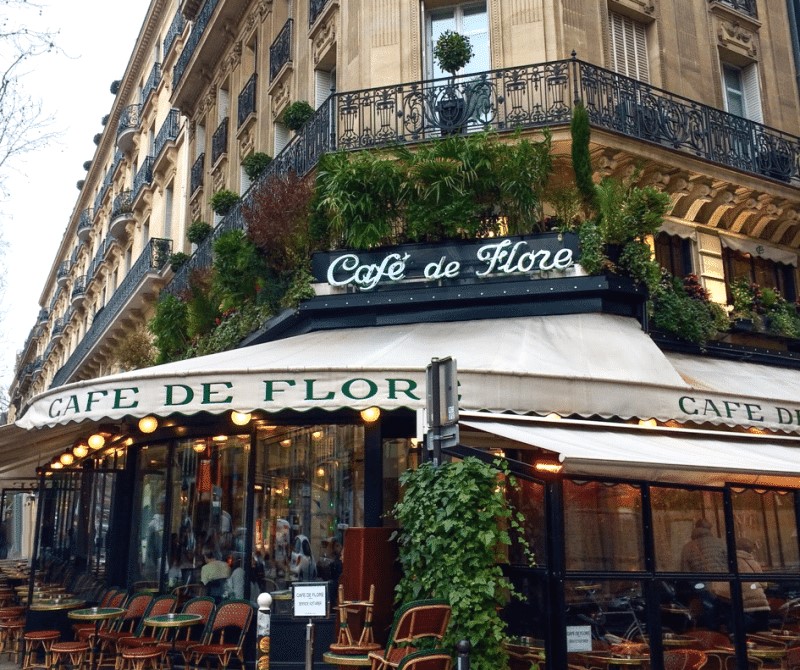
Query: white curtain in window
{"points": [[628, 42], [468, 19]]}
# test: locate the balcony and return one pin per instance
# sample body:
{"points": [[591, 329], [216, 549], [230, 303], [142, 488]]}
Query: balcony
{"points": [[143, 178], [219, 142], [205, 45], [85, 224], [121, 214], [58, 328], [78, 291], [174, 31], [315, 8], [62, 273], [151, 84], [128, 127], [196, 178], [42, 316], [746, 7], [280, 52], [247, 101], [140, 281], [166, 136]]}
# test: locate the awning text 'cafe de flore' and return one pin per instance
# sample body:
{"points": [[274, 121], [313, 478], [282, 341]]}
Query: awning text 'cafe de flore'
{"points": [[625, 450]]}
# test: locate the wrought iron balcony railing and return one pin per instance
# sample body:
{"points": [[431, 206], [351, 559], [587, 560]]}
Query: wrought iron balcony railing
{"points": [[58, 327], [63, 270], [219, 141], [99, 257], [54, 299], [143, 177], [744, 6], [42, 316], [152, 83], [153, 259], [173, 32], [247, 100], [525, 97], [168, 132], [315, 8], [128, 119], [85, 222], [198, 28], [281, 50], [122, 204], [196, 178], [78, 288]]}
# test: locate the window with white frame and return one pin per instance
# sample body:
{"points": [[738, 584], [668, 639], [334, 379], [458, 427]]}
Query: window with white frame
{"points": [[628, 47], [324, 85], [742, 92], [469, 19], [281, 137]]}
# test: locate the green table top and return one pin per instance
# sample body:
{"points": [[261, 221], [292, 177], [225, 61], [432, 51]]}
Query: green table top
{"points": [[97, 613]]}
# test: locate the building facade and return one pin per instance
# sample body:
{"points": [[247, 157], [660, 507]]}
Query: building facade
{"points": [[251, 451]]}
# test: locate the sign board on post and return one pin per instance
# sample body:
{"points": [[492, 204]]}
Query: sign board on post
{"points": [[579, 638], [310, 599]]}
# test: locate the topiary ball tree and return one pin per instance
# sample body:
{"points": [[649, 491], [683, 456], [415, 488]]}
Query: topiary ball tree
{"points": [[452, 51], [297, 114]]}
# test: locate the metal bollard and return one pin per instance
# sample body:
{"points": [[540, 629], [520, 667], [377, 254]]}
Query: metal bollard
{"points": [[462, 657], [262, 631]]}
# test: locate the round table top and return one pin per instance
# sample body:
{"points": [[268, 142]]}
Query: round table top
{"points": [[356, 660], [97, 613], [173, 620], [767, 652], [52, 604]]}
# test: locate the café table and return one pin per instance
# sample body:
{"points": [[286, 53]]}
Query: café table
{"points": [[174, 622], [605, 661], [345, 661], [767, 653], [97, 615]]}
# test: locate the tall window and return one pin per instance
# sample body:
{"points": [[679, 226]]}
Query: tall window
{"points": [[761, 271], [169, 197], [324, 84], [674, 254], [628, 47], [281, 137], [742, 93], [469, 19]]}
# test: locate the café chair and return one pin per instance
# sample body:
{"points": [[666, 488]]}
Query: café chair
{"points": [[355, 612], [76, 653], [145, 635], [224, 638], [684, 659], [415, 621], [125, 626], [194, 635], [11, 631], [431, 659], [112, 597], [793, 658], [36, 641]]}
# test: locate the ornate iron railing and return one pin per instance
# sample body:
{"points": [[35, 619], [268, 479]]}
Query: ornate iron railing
{"points": [[247, 101], [744, 6], [198, 28], [315, 8], [63, 270], [280, 51], [143, 177], [54, 299], [153, 259], [152, 82], [174, 31], [128, 119], [85, 220], [122, 204], [219, 141], [196, 177], [42, 316], [168, 132], [97, 261], [58, 327], [78, 288]]}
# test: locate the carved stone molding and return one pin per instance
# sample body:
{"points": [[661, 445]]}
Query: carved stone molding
{"points": [[323, 40], [280, 98], [735, 37], [196, 205], [234, 56], [247, 138], [637, 8], [218, 174]]}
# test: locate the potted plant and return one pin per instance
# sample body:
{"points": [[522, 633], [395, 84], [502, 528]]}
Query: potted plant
{"points": [[198, 231], [746, 305], [452, 52], [255, 163], [297, 114], [223, 201], [177, 260]]}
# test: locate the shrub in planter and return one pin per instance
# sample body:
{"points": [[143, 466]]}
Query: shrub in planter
{"points": [[297, 114], [198, 231], [178, 260], [223, 201], [683, 308], [238, 270], [452, 51], [255, 164], [170, 327]]}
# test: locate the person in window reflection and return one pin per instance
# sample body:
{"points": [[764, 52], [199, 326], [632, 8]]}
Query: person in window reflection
{"points": [[754, 600], [706, 552], [301, 564]]}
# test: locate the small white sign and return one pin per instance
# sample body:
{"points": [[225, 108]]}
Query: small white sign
{"points": [[310, 599], [579, 638]]}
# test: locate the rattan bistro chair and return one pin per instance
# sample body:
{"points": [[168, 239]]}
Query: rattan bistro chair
{"points": [[415, 621], [194, 635], [431, 659], [225, 635]]}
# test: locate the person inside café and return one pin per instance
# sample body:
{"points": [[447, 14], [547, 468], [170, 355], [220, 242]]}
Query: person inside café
{"points": [[754, 600], [214, 574], [707, 552]]}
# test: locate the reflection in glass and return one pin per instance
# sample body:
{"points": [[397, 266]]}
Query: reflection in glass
{"points": [[766, 523], [528, 498], [603, 526]]}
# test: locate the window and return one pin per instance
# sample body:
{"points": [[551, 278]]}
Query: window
{"points": [[761, 271], [628, 47], [742, 94], [281, 137], [674, 254], [324, 85], [169, 197], [469, 19]]}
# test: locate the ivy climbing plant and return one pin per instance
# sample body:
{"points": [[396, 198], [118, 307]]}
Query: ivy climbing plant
{"points": [[440, 560]]}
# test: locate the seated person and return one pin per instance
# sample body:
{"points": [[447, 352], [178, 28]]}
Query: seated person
{"points": [[213, 570]]}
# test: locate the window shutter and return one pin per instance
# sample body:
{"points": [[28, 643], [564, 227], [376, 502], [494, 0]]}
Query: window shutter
{"points": [[752, 94], [322, 87], [628, 41], [281, 137]]}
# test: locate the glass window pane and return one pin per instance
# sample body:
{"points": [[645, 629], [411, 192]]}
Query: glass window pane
{"points": [[151, 507], [528, 499], [766, 530], [399, 455], [603, 526]]}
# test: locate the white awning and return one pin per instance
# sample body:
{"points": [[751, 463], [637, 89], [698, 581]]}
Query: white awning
{"points": [[755, 248], [585, 364], [669, 455]]}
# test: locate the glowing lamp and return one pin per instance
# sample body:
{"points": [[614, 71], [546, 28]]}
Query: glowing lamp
{"points": [[371, 414], [56, 465], [240, 418], [80, 450], [66, 458], [96, 441], [148, 424]]}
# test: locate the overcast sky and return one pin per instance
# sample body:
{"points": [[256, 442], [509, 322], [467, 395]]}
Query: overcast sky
{"points": [[96, 38]]}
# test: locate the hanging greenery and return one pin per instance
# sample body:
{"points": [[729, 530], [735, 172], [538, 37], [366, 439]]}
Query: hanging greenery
{"points": [[462, 568], [581, 159], [170, 328]]}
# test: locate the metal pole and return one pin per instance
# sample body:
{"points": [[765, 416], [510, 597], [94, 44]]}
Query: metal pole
{"points": [[462, 650], [262, 631], [310, 645]]}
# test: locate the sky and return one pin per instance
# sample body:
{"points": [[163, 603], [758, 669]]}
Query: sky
{"points": [[95, 38]]}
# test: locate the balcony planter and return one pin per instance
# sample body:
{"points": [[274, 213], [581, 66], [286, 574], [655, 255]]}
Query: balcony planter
{"points": [[297, 114], [451, 112], [452, 52]]}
